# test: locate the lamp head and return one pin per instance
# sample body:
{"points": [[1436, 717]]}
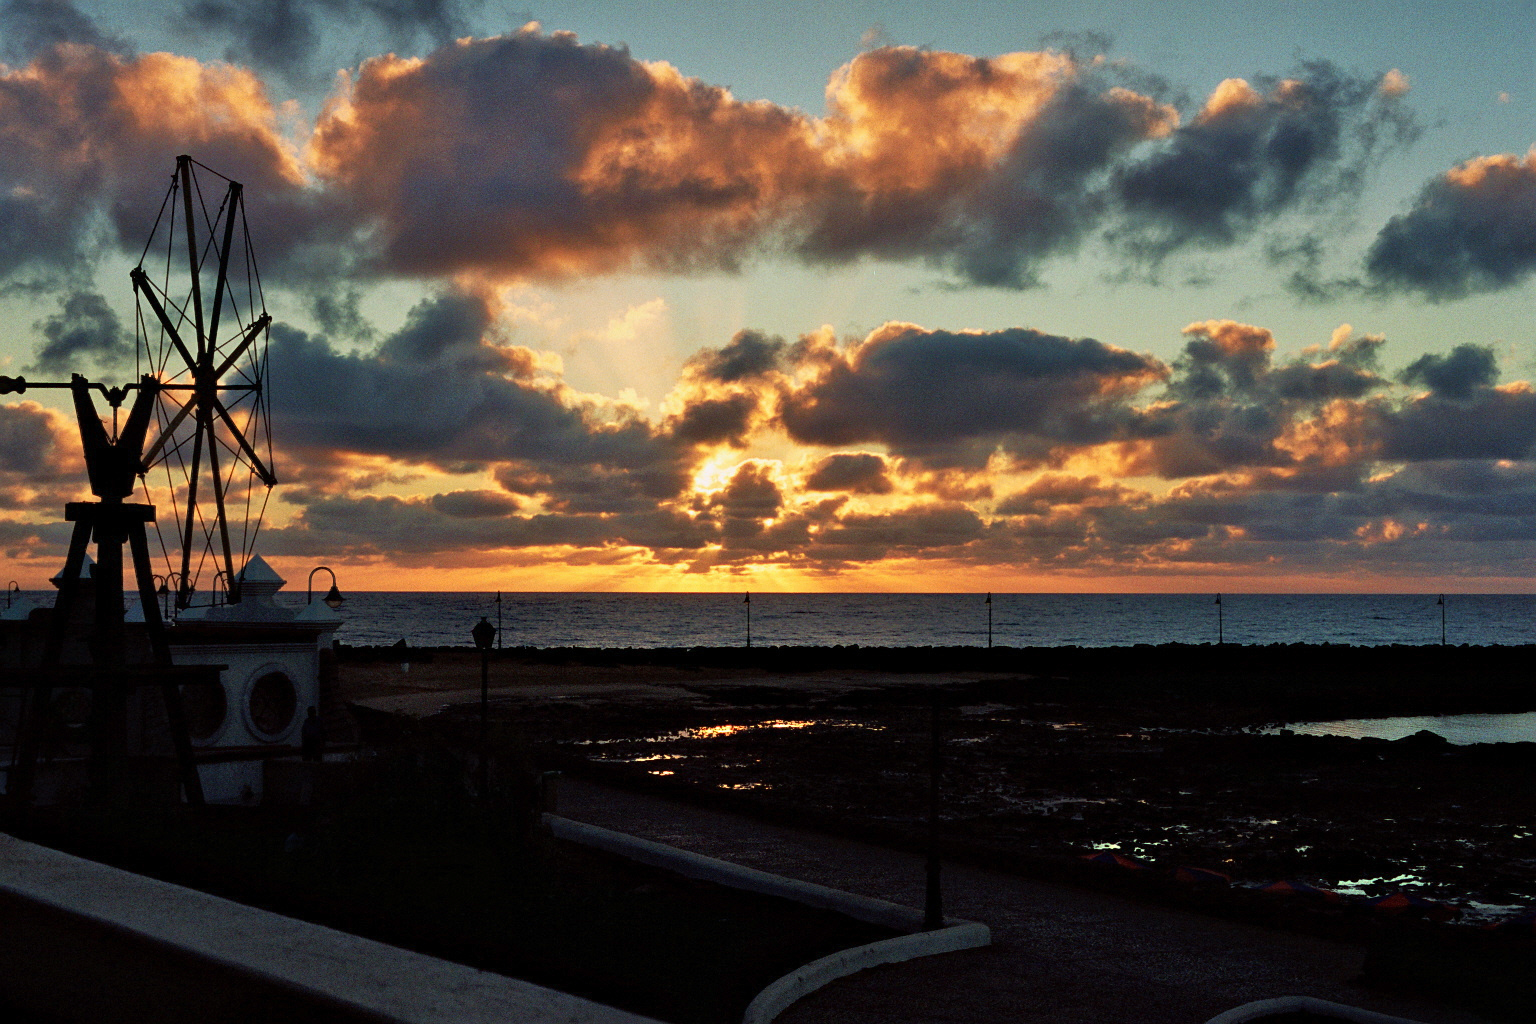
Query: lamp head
{"points": [[333, 598]]}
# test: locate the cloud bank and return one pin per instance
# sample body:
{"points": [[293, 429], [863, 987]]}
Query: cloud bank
{"points": [[532, 156]]}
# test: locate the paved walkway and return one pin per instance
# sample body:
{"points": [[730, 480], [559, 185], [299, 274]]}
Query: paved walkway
{"points": [[1059, 955]]}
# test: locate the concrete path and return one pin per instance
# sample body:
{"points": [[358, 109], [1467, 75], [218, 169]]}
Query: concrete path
{"points": [[1059, 955]]}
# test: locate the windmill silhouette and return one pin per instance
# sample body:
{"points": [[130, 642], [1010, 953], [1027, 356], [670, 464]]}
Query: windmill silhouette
{"points": [[202, 383], [210, 360]]}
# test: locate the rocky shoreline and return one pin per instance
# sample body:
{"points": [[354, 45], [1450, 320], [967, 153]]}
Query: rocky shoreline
{"points": [[1152, 752]]}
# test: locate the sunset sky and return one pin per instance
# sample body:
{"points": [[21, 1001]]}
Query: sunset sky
{"points": [[846, 296]]}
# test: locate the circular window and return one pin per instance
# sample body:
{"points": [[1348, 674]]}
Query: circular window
{"points": [[205, 707], [272, 704]]}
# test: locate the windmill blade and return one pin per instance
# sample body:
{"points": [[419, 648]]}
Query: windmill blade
{"points": [[231, 203], [221, 515], [251, 333], [194, 269], [169, 430], [144, 288], [191, 512], [266, 475]]}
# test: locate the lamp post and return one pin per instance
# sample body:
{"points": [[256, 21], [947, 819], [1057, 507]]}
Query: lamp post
{"points": [[332, 598], [172, 597], [483, 633], [228, 586], [1441, 603], [933, 897], [498, 620], [989, 620], [748, 603], [1219, 631], [11, 590]]}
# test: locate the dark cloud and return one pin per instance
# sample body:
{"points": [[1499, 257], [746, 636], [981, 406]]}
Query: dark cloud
{"points": [[1252, 153], [1467, 370], [1052, 490], [1486, 423], [983, 166], [1471, 230], [722, 391], [911, 531], [28, 27], [1232, 408], [722, 420], [748, 355], [539, 156], [474, 504], [88, 139], [422, 530], [946, 397], [40, 463], [85, 330], [337, 310], [28, 440], [286, 35], [532, 156], [851, 472], [445, 391], [751, 496]]}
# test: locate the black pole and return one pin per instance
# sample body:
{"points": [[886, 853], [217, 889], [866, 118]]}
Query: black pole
{"points": [[1220, 637], [933, 901], [1442, 620], [498, 620], [989, 621], [748, 603], [485, 699]]}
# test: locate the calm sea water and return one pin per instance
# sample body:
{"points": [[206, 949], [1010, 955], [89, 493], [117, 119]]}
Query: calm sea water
{"points": [[1090, 620]]}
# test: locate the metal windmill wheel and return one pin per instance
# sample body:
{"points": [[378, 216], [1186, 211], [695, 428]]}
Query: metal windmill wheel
{"points": [[212, 454]]}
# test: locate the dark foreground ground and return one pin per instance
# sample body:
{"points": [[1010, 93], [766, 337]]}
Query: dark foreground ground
{"points": [[1060, 954], [1155, 752], [1046, 755]]}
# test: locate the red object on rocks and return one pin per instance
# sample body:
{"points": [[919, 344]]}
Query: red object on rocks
{"points": [[1114, 860]]}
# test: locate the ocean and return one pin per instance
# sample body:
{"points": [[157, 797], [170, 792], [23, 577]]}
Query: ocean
{"points": [[905, 620]]}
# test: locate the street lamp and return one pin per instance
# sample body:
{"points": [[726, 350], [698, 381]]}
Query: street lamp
{"points": [[11, 590], [333, 598], [181, 594], [483, 634], [229, 598]]}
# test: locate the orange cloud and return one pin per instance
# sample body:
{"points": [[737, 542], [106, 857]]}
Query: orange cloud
{"points": [[541, 157], [82, 128]]}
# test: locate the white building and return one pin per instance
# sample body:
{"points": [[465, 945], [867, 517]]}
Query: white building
{"points": [[274, 660]]}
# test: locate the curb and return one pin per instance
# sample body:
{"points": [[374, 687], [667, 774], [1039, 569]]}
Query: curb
{"points": [[89, 942], [1263, 1008], [802, 981], [956, 934]]}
